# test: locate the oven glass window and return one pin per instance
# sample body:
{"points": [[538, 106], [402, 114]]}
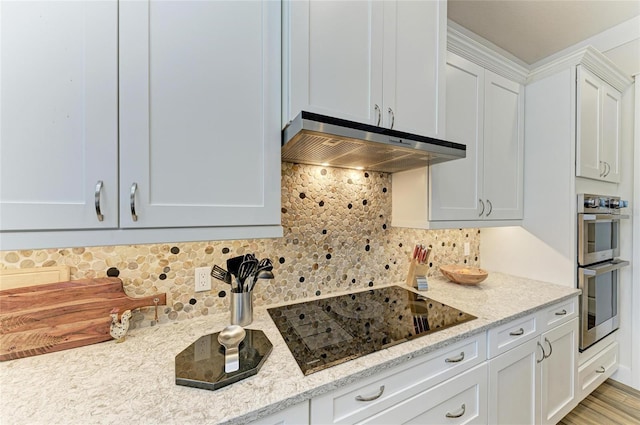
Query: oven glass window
{"points": [[602, 298], [602, 236]]}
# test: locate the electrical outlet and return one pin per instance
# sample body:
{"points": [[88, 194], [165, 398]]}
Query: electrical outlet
{"points": [[203, 279], [467, 249]]}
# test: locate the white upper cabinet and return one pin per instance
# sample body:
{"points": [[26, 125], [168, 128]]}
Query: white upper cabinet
{"points": [[503, 153], [59, 120], [162, 115], [379, 63], [598, 128], [199, 114], [484, 111]]}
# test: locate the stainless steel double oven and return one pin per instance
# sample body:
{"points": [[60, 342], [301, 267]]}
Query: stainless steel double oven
{"points": [[598, 265]]}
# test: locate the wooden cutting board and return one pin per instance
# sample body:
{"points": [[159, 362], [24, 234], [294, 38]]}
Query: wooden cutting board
{"points": [[57, 316]]}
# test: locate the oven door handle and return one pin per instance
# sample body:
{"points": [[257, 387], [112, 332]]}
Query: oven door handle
{"points": [[605, 268]]}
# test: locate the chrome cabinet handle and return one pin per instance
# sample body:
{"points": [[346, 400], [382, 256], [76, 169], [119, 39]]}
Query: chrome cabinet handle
{"points": [[517, 333], [490, 208], [603, 168], [393, 118], [456, 359], [97, 200], [544, 355], [607, 167], [550, 348], [561, 313], [481, 212], [601, 369], [457, 415], [360, 398], [377, 109], [132, 200]]}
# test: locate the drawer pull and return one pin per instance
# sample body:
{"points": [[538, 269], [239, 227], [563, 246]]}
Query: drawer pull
{"points": [[455, 359], [132, 201], [517, 333], [601, 369], [561, 313], [457, 415], [360, 398]]}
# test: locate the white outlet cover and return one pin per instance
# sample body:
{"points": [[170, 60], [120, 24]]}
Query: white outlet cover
{"points": [[202, 279]]}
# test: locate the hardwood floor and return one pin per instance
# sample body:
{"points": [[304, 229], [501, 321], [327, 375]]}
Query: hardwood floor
{"points": [[610, 404]]}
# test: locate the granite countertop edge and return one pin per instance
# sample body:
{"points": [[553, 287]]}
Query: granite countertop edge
{"points": [[142, 369]]}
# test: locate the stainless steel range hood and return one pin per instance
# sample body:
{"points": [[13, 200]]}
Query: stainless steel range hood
{"points": [[321, 140]]}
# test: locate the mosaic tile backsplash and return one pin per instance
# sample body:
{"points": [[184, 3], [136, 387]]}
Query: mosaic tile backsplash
{"points": [[337, 236]]}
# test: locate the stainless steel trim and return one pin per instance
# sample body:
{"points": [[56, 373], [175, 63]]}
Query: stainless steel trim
{"points": [[456, 359], [97, 200], [599, 269], [517, 333], [377, 109], [456, 415], [132, 201], [393, 117], [360, 398], [490, 207], [481, 212], [601, 369], [585, 257]]}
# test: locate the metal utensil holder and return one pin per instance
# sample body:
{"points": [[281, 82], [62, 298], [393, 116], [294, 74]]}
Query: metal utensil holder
{"points": [[241, 308]]}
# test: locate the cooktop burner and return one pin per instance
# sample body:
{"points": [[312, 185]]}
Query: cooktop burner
{"points": [[326, 332]]}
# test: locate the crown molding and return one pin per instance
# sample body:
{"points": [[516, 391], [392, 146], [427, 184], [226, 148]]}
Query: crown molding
{"points": [[591, 59], [473, 50]]}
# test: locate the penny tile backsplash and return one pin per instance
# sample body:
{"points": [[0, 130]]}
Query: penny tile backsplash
{"points": [[337, 236]]}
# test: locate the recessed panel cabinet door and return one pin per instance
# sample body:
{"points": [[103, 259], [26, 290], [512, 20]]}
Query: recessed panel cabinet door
{"points": [[588, 129], [457, 186], [334, 59], [58, 115], [503, 148], [611, 128], [199, 113]]}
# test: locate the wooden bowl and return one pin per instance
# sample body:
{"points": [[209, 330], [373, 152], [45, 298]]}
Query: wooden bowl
{"points": [[464, 275]]}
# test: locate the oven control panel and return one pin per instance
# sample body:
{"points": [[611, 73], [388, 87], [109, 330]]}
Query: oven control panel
{"points": [[600, 204]]}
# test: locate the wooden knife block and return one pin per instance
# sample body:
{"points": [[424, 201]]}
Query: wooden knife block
{"points": [[416, 269]]}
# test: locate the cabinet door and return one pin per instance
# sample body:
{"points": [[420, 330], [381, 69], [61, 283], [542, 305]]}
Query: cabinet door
{"points": [[559, 372], [456, 186], [503, 148], [58, 127], [414, 66], [199, 113], [333, 59], [588, 116], [611, 127], [513, 383]]}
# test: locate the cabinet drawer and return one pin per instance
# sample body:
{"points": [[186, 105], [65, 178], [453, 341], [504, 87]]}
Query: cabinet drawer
{"points": [[559, 313], [461, 400], [363, 399], [509, 335], [595, 371]]}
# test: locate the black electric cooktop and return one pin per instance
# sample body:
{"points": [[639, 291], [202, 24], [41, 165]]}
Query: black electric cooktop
{"points": [[326, 332]]}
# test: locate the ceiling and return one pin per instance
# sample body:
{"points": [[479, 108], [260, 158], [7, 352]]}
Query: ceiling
{"points": [[534, 29]]}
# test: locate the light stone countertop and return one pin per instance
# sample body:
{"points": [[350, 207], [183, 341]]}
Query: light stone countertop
{"points": [[134, 381]]}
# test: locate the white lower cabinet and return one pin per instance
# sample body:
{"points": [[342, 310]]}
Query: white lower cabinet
{"points": [[596, 370], [535, 381], [295, 415], [461, 400], [381, 393]]}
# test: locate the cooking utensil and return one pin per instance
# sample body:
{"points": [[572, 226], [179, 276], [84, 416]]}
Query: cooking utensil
{"points": [[231, 337], [221, 274], [262, 274], [233, 264], [247, 268]]}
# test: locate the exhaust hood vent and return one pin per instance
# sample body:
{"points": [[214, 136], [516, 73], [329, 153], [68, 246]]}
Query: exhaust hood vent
{"points": [[320, 140]]}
